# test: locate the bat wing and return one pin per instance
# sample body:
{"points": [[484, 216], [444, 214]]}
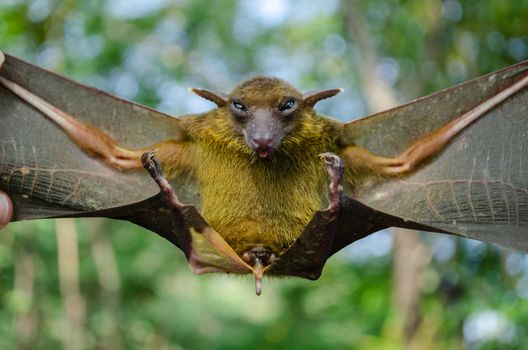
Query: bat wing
{"points": [[47, 174], [477, 186]]}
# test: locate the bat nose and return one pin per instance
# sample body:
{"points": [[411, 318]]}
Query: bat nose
{"points": [[262, 145], [262, 142]]}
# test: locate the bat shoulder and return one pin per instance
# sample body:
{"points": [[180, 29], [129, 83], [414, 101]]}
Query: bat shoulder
{"points": [[212, 128], [320, 127], [329, 123], [196, 126]]}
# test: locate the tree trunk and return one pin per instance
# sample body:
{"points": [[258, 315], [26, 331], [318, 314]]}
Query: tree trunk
{"points": [[380, 96]]}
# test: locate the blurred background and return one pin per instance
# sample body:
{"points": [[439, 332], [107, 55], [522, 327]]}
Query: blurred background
{"points": [[100, 284]]}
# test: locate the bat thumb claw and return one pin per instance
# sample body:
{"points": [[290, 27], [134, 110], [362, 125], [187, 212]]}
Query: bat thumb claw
{"points": [[147, 157], [2, 59], [151, 164]]}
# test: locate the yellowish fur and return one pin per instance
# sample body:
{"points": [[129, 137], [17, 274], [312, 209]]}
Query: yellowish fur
{"points": [[252, 201]]}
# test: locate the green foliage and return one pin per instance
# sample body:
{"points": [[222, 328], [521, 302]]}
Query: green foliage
{"points": [[136, 289]]}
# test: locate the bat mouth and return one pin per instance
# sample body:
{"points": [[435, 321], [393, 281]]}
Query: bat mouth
{"points": [[259, 258], [262, 146], [263, 151]]}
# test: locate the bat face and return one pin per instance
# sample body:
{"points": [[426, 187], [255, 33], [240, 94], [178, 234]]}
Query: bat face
{"points": [[267, 110], [264, 128], [264, 110]]}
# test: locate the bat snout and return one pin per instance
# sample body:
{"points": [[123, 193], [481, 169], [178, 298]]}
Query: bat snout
{"points": [[263, 146]]}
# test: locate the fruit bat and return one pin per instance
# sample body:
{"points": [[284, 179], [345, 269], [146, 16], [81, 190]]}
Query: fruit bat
{"points": [[262, 183]]}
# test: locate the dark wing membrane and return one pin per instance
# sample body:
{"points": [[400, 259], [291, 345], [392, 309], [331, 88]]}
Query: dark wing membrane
{"points": [[45, 172], [478, 185]]}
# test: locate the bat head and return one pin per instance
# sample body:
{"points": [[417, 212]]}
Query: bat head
{"points": [[266, 110]]}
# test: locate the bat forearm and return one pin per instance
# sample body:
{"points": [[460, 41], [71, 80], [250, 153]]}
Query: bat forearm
{"points": [[88, 138], [361, 160], [94, 141]]}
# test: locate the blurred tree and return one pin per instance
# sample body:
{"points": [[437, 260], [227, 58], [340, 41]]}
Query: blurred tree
{"points": [[473, 295]]}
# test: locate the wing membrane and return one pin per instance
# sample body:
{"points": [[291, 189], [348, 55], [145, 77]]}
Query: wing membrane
{"points": [[39, 162], [478, 185]]}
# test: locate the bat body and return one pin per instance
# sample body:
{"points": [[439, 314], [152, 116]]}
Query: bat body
{"points": [[263, 183]]}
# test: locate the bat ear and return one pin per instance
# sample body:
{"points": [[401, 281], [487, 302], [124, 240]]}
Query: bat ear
{"points": [[312, 97], [219, 98], [2, 59]]}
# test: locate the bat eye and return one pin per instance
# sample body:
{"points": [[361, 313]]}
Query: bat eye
{"points": [[288, 105], [239, 107]]}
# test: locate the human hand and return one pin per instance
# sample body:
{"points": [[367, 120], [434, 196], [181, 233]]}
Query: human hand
{"points": [[6, 209]]}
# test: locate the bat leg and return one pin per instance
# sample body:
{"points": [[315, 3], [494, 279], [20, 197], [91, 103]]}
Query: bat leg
{"points": [[427, 146], [256, 260], [90, 139]]}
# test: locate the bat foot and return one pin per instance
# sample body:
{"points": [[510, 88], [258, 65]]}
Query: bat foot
{"points": [[259, 258], [335, 168]]}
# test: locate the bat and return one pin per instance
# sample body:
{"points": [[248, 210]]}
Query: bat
{"points": [[263, 184]]}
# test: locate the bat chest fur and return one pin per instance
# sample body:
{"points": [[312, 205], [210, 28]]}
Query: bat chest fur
{"points": [[266, 202]]}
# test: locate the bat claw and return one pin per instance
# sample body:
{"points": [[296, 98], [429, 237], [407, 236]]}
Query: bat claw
{"points": [[333, 162], [2, 59], [335, 168], [151, 164]]}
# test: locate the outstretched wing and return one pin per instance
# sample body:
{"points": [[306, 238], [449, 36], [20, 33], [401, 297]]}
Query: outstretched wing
{"points": [[477, 186], [46, 174]]}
